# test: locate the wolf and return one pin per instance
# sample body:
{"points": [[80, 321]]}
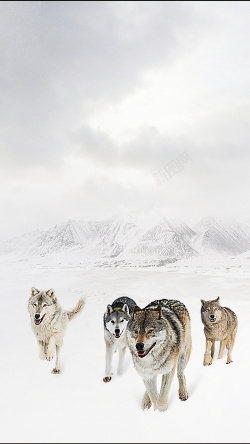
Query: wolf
{"points": [[220, 324], [49, 323], [115, 322], [159, 339]]}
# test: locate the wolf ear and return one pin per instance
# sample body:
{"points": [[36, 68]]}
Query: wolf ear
{"points": [[125, 309], [159, 311], [34, 291], [136, 311], [203, 302], [108, 311], [51, 293], [218, 299]]}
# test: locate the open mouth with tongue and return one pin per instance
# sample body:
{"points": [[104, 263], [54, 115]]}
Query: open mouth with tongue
{"points": [[143, 353], [117, 333], [39, 321]]}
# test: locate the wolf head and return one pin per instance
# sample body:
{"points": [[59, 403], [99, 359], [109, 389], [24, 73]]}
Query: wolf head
{"points": [[41, 304], [211, 311], [146, 330], [116, 320]]}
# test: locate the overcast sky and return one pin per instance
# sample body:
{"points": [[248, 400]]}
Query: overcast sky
{"points": [[113, 107]]}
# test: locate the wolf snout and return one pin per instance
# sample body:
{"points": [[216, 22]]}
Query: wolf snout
{"points": [[117, 332], [140, 346], [142, 351], [212, 318], [38, 319]]}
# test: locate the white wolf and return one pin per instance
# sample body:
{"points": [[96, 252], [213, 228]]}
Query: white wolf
{"points": [[49, 323], [115, 324]]}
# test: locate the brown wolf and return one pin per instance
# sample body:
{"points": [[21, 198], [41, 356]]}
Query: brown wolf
{"points": [[159, 338], [220, 324]]}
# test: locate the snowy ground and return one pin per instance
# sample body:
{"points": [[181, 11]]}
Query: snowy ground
{"points": [[77, 406]]}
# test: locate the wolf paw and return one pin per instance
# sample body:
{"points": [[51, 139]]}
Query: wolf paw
{"points": [[146, 402], [161, 407], [183, 396], [208, 361], [229, 361], [56, 371], [49, 356], [107, 379]]}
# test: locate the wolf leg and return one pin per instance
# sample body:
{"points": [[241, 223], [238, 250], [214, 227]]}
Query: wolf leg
{"points": [[51, 349], [122, 352], [162, 403], [57, 370], [151, 387], [110, 350], [222, 348], [41, 346], [230, 346], [213, 349], [208, 360], [182, 363], [146, 402]]}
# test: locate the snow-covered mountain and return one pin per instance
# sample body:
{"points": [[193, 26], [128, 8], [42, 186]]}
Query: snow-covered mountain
{"points": [[20, 244], [246, 228], [221, 237], [70, 234], [165, 240], [134, 239], [113, 237]]}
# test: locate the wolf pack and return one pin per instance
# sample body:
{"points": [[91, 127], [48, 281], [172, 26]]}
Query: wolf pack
{"points": [[157, 336]]}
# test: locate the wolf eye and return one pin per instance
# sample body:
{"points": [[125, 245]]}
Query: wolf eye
{"points": [[150, 331], [45, 305], [122, 320], [112, 322]]}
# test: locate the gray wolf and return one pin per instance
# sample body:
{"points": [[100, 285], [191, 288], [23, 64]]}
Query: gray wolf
{"points": [[49, 323], [115, 322], [159, 338], [220, 324]]}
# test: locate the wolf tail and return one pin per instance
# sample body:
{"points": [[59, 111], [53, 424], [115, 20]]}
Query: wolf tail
{"points": [[71, 314]]}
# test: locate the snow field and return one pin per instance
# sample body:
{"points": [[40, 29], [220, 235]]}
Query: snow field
{"points": [[77, 406]]}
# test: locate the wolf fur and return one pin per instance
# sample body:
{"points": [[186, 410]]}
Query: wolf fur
{"points": [[49, 323], [159, 338], [220, 324], [115, 321]]}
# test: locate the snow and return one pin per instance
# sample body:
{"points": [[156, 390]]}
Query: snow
{"points": [[136, 240], [226, 237], [77, 406], [20, 244]]}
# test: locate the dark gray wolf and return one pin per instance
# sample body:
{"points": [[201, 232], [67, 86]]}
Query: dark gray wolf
{"points": [[159, 338], [49, 323], [220, 324], [115, 324]]}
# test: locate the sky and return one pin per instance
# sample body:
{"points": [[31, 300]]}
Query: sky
{"points": [[116, 107]]}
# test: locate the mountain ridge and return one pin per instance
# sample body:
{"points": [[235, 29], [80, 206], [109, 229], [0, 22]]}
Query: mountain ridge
{"points": [[131, 237]]}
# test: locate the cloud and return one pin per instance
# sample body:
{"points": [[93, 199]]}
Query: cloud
{"points": [[148, 151], [96, 97], [60, 60]]}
